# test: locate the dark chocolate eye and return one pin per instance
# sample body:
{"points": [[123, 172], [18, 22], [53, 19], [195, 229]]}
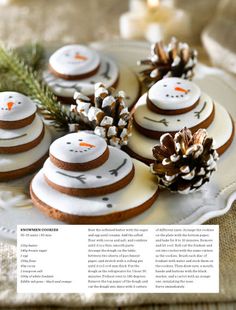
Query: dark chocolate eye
{"points": [[19, 102], [105, 199], [98, 176], [10, 97], [80, 140], [164, 85], [68, 142], [71, 151], [178, 83]]}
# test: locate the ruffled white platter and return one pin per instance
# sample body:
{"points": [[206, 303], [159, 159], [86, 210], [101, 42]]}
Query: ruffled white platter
{"points": [[212, 200]]}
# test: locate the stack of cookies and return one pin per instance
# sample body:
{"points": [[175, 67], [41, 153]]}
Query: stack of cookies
{"points": [[85, 181], [77, 68], [170, 105], [24, 140]]}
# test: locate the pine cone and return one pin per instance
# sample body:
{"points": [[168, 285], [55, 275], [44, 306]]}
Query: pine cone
{"points": [[184, 163], [175, 60], [107, 115]]}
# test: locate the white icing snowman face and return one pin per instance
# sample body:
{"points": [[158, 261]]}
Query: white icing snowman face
{"points": [[174, 94], [73, 56], [15, 106], [78, 147], [74, 60]]}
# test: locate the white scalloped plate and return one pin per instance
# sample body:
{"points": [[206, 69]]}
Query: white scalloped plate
{"points": [[214, 199]]}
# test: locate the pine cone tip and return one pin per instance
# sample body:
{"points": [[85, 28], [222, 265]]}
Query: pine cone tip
{"points": [[176, 59]]}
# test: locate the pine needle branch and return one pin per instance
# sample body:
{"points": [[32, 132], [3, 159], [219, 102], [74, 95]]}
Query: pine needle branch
{"points": [[36, 89]]}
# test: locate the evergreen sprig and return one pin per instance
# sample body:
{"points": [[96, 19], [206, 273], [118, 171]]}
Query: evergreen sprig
{"points": [[28, 81], [33, 55]]}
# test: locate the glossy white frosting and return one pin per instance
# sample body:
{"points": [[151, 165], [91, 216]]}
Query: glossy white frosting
{"points": [[74, 59], [15, 106], [174, 93], [79, 147]]}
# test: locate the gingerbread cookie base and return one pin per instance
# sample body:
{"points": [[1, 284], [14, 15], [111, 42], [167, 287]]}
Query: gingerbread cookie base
{"points": [[73, 77], [94, 191], [134, 199], [153, 125], [17, 124], [157, 134], [125, 79], [221, 129], [80, 167], [114, 174], [19, 173], [23, 147], [14, 166], [71, 100], [23, 139], [155, 109]]}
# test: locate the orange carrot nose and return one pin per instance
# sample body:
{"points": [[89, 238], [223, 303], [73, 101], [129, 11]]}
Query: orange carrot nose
{"points": [[86, 144], [181, 89], [80, 57], [10, 105]]}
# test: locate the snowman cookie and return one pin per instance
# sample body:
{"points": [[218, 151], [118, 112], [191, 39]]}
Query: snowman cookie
{"points": [[116, 190], [74, 61], [16, 110], [173, 96], [77, 68], [81, 164], [200, 111], [74, 152], [24, 140]]}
